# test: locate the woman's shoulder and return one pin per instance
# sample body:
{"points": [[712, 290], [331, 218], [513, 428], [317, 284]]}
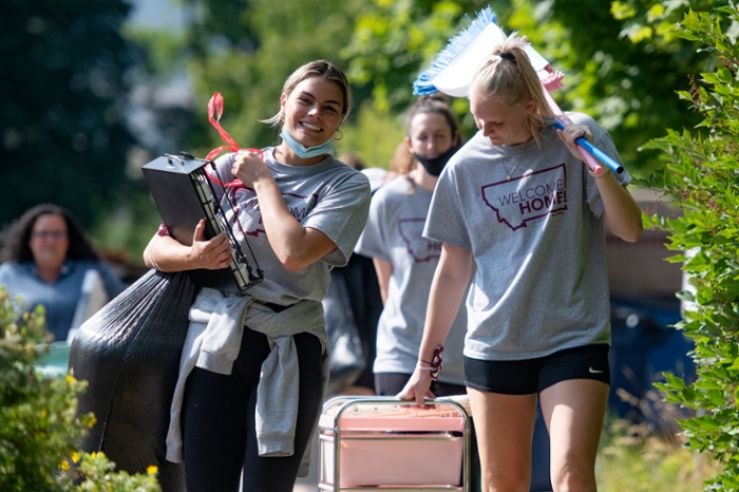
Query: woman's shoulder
{"points": [[343, 175], [113, 283], [476, 146], [11, 271], [582, 119], [342, 168], [11, 266], [397, 188], [462, 162], [88, 263], [600, 134]]}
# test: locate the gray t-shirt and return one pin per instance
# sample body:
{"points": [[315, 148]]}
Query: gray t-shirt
{"points": [[393, 233], [540, 283], [328, 196]]}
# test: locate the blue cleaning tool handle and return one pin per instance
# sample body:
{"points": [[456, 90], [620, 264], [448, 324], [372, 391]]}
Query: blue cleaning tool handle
{"points": [[594, 151]]}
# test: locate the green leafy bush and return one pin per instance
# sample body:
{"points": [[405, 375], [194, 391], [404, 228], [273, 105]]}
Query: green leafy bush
{"points": [[701, 174], [39, 425]]}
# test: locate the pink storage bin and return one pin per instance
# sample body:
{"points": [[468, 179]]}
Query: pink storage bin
{"points": [[384, 442]]}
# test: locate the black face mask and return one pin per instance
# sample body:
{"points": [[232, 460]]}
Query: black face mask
{"points": [[434, 165]]}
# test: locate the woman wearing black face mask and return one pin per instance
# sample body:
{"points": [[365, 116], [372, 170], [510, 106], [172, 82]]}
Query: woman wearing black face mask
{"points": [[405, 261]]}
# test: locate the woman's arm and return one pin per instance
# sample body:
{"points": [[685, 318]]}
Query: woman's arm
{"points": [[384, 271], [451, 278], [166, 254], [621, 214], [295, 246]]}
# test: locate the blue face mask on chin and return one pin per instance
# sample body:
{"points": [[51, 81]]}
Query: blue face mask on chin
{"points": [[306, 152]]}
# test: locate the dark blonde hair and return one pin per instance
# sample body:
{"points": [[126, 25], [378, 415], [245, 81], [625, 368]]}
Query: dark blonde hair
{"points": [[316, 68], [402, 162], [508, 74]]}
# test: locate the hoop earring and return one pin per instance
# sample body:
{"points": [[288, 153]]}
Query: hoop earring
{"points": [[338, 134]]}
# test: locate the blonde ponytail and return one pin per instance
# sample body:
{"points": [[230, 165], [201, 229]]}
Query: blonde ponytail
{"points": [[508, 74]]}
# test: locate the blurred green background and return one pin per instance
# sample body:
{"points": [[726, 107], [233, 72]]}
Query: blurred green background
{"points": [[94, 89]]}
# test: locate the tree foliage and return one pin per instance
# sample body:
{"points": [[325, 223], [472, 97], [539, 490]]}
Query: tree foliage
{"points": [[701, 173], [39, 426], [246, 50], [64, 136], [62, 132], [618, 73], [393, 40]]}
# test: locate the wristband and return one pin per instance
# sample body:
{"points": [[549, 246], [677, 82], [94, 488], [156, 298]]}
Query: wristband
{"points": [[435, 365]]}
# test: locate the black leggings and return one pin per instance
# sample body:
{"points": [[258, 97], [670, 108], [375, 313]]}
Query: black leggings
{"points": [[219, 437]]}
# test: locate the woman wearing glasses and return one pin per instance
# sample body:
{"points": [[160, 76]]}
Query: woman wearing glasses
{"points": [[45, 259]]}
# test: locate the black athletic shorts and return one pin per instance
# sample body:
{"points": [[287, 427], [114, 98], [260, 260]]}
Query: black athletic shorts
{"points": [[529, 376]]}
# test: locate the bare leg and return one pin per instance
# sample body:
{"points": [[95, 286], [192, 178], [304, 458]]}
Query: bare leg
{"points": [[504, 425], [574, 411]]}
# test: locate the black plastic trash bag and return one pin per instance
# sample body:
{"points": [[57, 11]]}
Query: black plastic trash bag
{"points": [[129, 353]]}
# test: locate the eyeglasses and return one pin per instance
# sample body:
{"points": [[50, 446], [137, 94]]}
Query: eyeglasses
{"points": [[49, 234]]}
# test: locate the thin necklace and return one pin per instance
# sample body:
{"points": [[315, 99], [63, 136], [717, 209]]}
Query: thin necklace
{"points": [[510, 171]]}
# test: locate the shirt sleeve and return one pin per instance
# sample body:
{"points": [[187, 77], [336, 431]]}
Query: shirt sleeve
{"points": [[445, 221], [602, 140], [374, 241], [341, 214]]}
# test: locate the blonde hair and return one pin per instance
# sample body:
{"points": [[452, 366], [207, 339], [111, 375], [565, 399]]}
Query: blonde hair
{"points": [[508, 74], [316, 68]]}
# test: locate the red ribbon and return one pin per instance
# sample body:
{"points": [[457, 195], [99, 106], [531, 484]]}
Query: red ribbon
{"points": [[215, 111]]}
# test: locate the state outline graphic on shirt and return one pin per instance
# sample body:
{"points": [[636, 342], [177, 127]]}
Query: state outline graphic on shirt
{"points": [[411, 232], [529, 197]]}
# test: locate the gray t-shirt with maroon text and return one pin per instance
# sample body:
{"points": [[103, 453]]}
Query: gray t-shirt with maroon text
{"points": [[540, 282], [328, 196]]}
